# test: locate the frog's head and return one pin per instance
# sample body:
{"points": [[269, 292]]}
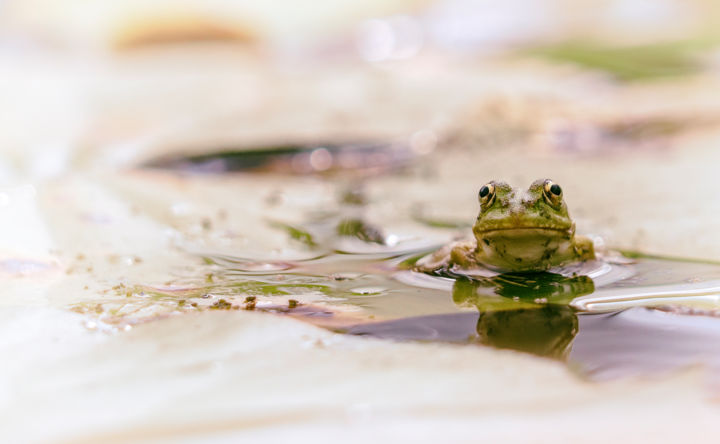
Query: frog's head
{"points": [[522, 226]]}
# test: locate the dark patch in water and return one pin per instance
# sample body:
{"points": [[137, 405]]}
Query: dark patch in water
{"points": [[642, 340], [295, 158], [545, 331], [530, 313], [454, 327], [603, 346]]}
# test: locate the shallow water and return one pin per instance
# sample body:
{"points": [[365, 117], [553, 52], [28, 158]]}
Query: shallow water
{"points": [[652, 315], [606, 318]]}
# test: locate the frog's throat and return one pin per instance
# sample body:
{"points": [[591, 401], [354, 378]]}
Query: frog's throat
{"points": [[524, 231], [525, 249]]}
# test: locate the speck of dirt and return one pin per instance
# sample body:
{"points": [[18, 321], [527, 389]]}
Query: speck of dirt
{"points": [[250, 302], [221, 304]]}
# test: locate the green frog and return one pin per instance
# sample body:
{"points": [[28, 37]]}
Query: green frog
{"points": [[516, 230]]}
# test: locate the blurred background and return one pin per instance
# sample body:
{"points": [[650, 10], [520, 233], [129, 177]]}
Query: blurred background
{"points": [[85, 78], [516, 90]]}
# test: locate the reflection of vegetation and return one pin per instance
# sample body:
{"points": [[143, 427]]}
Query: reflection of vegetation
{"points": [[520, 290], [526, 312], [350, 227], [361, 230], [436, 222], [629, 63], [296, 233], [353, 196]]}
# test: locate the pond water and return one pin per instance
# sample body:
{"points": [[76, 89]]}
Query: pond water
{"points": [[546, 314], [651, 315], [626, 315]]}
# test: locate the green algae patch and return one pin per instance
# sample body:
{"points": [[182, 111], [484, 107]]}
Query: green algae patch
{"points": [[630, 63]]}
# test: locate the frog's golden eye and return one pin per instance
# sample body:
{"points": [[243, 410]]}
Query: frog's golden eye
{"points": [[552, 192], [486, 195]]}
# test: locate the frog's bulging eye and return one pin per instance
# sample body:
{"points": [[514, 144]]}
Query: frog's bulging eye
{"points": [[552, 192], [487, 194]]}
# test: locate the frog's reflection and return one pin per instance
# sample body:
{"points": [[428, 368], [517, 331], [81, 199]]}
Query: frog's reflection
{"points": [[526, 312]]}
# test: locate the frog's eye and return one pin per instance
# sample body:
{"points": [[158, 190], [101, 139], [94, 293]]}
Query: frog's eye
{"points": [[552, 192], [487, 194]]}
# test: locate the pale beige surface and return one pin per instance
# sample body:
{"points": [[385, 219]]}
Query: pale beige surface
{"points": [[231, 376], [108, 23]]}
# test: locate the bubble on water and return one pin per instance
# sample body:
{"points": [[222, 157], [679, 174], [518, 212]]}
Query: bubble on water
{"points": [[392, 240], [262, 266], [321, 159]]}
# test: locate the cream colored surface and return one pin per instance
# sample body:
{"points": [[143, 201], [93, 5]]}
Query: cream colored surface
{"points": [[217, 377], [107, 23]]}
